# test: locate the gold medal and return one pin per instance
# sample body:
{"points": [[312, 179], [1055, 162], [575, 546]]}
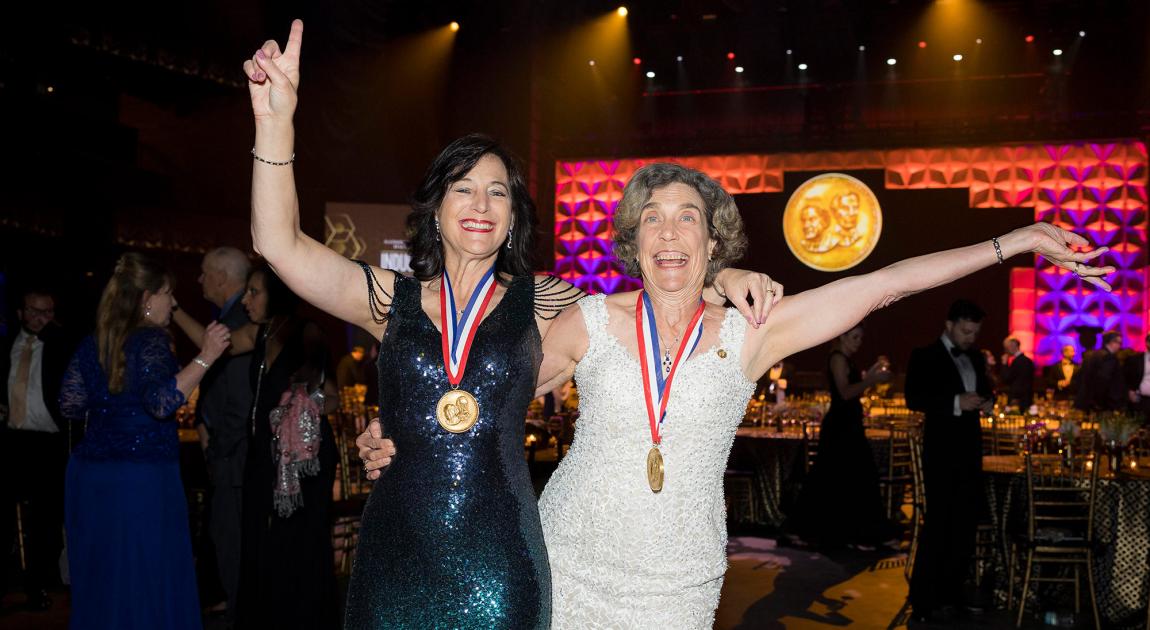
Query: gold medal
{"points": [[457, 411], [655, 469], [832, 222]]}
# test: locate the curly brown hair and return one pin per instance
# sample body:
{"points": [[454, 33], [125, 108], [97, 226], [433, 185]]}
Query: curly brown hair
{"points": [[724, 225]]}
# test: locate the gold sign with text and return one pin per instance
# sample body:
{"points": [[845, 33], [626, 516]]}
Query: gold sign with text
{"points": [[832, 222]]}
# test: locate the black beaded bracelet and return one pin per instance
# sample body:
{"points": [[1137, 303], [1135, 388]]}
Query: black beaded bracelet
{"points": [[260, 159], [997, 249]]}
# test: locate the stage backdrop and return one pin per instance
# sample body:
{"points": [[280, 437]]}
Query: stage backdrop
{"points": [[932, 198]]}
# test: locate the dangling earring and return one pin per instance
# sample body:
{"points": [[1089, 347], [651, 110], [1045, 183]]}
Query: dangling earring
{"points": [[147, 311], [436, 228], [509, 232]]}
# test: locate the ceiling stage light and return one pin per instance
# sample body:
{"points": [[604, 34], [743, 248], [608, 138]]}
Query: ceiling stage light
{"points": [[650, 75], [978, 41], [1082, 33], [957, 57], [1057, 52], [622, 11], [922, 44], [730, 55], [636, 61], [862, 48], [591, 63], [891, 61], [739, 69], [1029, 39], [454, 26], [679, 58], [802, 66]]}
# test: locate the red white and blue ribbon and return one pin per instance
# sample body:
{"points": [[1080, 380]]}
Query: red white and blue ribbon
{"points": [[656, 387], [459, 333]]}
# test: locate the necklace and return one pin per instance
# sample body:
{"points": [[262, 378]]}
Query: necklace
{"points": [[667, 361], [269, 332]]}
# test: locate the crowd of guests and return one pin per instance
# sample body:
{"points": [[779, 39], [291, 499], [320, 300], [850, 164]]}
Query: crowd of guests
{"points": [[95, 418], [951, 383]]}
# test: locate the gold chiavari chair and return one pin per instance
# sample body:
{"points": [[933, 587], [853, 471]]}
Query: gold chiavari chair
{"points": [[354, 487], [918, 493], [1007, 433], [1060, 502], [897, 475]]}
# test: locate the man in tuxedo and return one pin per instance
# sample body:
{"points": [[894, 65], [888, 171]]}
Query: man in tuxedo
{"points": [[947, 382], [1061, 377], [1137, 373], [1101, 386], [1016, 375], [34, 442], [223, 409]]}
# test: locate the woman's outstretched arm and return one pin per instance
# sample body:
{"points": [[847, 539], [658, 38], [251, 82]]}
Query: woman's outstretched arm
{"points": [[812, 317]]}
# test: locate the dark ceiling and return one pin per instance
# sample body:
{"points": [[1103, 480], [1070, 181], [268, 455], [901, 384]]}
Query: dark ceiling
{"points": [[131, 118]]}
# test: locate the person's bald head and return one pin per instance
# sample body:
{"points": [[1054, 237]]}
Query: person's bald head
{"points": [[223, 273]]}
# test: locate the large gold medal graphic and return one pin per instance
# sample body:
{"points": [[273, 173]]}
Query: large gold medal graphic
{"points": [[832, 222]]}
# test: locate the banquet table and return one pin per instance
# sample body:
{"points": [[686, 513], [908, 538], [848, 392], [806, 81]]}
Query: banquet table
{"points": [[1121, 524], [776, 464]]}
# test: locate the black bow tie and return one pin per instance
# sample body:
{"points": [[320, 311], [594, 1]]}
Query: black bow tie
{"points": [[956, 352]]}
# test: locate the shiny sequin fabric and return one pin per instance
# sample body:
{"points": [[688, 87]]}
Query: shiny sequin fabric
{"points": [[450, 536], [621, 555]]}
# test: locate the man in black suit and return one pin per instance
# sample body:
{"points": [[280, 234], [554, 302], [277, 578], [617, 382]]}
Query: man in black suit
{"points": [[34, 442], [1137, 373], [223, 409], [1061, 377], [1101, 384], [947, 382], [1016, 375]]}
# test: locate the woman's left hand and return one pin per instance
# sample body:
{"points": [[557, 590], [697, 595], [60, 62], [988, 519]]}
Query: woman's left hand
{"points": [[1055, 243], [739, 284]]}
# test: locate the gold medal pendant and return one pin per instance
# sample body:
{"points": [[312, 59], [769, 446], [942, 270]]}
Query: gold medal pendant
{"points": [[457, 411], [655, 469]]}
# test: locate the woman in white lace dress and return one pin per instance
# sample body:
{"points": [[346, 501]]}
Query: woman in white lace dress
{"points": [[633, 518], [632, 548]]}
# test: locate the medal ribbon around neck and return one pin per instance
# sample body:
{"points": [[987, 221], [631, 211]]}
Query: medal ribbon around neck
{"points": [[656, 388], [458, 334]]}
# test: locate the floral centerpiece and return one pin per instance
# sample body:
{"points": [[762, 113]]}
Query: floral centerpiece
{"points": [[1065, 438], [1032, 434], [1116, 430]]}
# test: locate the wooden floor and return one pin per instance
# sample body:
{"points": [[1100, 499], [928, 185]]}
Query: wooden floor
{"points": [[767, 587]]}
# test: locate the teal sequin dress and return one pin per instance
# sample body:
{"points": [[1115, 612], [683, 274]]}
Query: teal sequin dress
{"points": [[450, 535]]}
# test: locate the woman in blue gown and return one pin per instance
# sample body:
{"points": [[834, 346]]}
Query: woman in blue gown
{"points": [[126, 517]]}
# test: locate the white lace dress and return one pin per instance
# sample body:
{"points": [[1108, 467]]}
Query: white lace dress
{"points": [[622, 556]]}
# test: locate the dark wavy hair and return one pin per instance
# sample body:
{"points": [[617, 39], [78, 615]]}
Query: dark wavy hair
{"points": [[281, 300], [451, 165]]}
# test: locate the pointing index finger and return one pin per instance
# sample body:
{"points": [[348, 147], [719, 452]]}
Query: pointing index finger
{"points": [[295, 39]]}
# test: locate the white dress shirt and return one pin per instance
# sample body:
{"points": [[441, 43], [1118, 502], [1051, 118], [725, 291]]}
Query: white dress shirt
{"points": [[37, 417], [965, 370]]}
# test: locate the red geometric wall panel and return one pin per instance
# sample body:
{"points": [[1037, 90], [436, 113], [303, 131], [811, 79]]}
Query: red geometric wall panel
{"points": [[1097, 189]]}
